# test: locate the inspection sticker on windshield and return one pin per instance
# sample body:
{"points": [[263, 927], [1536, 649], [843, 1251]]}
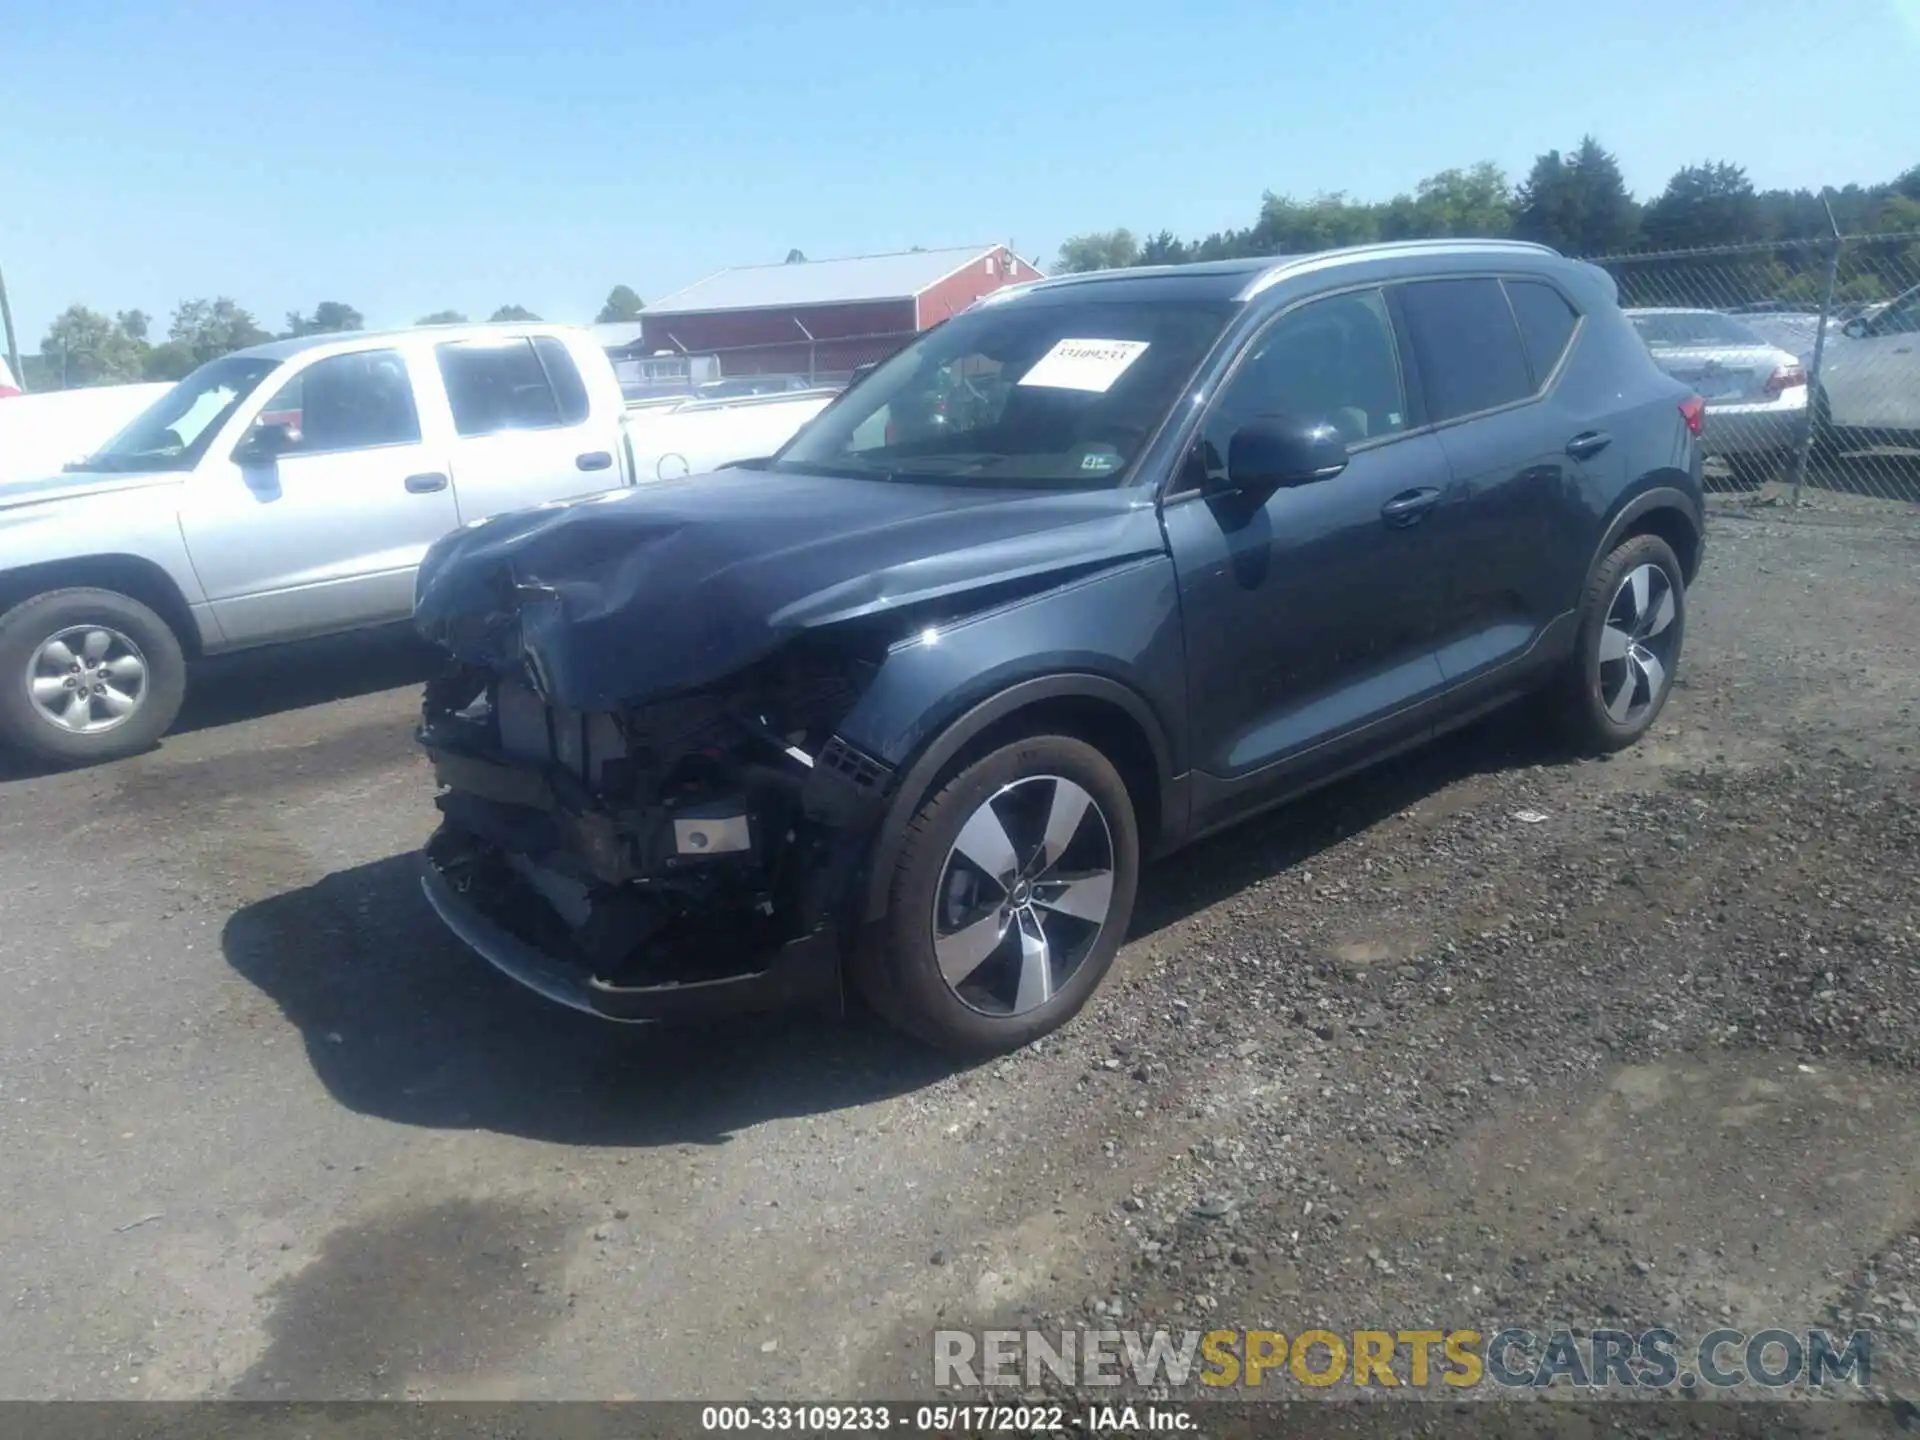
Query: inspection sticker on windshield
{"points": [[1085, 364]]}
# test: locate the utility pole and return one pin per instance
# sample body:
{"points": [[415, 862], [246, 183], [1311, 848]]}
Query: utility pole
{"points": [[13, 346]]}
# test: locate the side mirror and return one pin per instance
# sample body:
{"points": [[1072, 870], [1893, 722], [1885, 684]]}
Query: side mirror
{"points": [[1855, 328], [1277, 452], [264, 444]]}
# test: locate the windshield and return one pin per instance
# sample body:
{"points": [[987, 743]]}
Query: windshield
{"points": [[1047, 393], [175, 431], [1694, 327]]}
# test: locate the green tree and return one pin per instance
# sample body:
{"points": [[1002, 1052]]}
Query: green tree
{"points": [[442, 317], [1577, 203], [134, 324], [1901, 211], [212, 328], [794, 257], [1710, 204], [622, 304], [513, 312], [84, 347], [170, 360], [1477, 202], [1163, 249], [329, 317], [1101, 250], [1299, 227]]}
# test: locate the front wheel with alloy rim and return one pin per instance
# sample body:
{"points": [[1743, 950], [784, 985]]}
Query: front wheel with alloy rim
{"points": [[1012, 892], [86, 675], [1631, 629]]}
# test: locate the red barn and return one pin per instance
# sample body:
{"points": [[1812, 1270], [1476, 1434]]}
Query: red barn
{"points": [[821, 318]]}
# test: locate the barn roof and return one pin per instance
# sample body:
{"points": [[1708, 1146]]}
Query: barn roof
{"points": [[820, 282]]}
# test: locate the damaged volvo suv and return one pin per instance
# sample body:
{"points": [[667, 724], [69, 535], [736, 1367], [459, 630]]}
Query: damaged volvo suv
{"points": [[1098, 567]]}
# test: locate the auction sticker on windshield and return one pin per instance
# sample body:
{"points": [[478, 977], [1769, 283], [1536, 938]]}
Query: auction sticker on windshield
{"points": [[1085, 364]]}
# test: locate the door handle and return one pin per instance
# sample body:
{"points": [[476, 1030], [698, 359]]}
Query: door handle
{"points": [[426, 484], [1407, 507], [1588, 442], [594, 460]]}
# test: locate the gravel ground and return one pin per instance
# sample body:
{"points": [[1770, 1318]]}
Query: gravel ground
{"points": [[1485, 1035]]}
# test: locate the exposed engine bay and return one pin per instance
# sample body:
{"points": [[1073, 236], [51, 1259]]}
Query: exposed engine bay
{"points": [[675, 842]]}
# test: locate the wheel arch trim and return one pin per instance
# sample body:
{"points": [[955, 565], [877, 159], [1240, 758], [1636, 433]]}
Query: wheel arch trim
{"points": [[135, 576], [1659, 497], [939, 752]]}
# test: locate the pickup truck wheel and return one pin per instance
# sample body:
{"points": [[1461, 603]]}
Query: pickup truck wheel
{"points": [[1631, 627], [1012, 892], [87, 675]]}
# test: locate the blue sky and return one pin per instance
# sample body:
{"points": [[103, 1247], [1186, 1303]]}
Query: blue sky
{"points": [[413, 155]]}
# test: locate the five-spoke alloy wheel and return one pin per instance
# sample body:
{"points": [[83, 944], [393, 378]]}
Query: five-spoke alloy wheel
{"points": [[1637, 644], [87, 678], [1024, 894], [1631, 628], [86, 675], [1011, 892]]}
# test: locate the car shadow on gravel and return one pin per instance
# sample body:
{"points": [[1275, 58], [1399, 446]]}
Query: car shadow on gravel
{"points": [[1225, 864], [403, 1022], [247, 686]]}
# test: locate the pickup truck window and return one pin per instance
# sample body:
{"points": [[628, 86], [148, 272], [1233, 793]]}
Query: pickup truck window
{"points": [[495, 385], [1051, 395], [564, 376], [346, 402], [175, 431]]}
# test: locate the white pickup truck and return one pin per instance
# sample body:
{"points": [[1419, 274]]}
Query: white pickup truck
{"points": [[290, 490]]}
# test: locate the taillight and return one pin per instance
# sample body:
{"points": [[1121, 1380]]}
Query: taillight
{"points": [[1785, 378], [1694, 411]]}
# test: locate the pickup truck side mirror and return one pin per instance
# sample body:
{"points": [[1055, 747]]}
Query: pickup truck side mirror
{"points": [[264, 444]]}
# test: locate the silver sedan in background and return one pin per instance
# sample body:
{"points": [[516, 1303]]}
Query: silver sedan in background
{"points": [[1756, 391]]}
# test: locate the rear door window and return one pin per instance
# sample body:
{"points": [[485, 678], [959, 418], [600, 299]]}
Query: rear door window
{"points": [[497, 385], [1546, 322], [568, 388], [1467, 345]]}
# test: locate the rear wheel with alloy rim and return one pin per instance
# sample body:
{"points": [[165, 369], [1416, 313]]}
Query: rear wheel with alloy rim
{"points": [[87, 675], [1012, 891], [1632, 627]]}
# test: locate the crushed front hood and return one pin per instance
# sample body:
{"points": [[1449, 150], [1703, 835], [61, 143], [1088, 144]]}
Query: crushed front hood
{"points": [[677, 584]]}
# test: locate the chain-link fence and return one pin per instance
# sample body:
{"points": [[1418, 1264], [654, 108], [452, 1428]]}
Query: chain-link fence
{"points": [[819, 362], [1807, 353]]}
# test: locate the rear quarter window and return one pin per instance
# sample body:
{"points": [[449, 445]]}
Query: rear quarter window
{"points": [[1546, 323]]}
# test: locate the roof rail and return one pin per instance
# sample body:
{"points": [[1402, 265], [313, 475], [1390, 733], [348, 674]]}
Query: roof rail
{"points": [[1462, 245], [1465, 242], [1265, 270]]}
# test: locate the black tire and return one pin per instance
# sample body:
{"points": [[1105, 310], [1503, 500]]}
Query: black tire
{"points": [[32, 623], [1590, 681], [898, 970]]}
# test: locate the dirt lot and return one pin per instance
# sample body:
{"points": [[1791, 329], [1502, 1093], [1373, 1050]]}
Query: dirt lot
{"points": [[1488, 1034]]}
